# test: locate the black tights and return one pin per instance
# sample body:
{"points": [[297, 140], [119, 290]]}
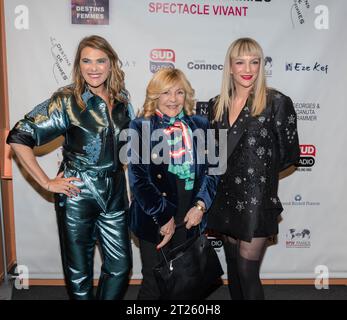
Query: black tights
{"points": [[243, 262]]}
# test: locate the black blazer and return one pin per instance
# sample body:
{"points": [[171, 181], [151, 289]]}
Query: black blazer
{"points": [[258, 149]]}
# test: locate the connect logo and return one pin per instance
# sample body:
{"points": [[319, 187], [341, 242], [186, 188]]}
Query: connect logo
{"points": [[203, 66], [161, 58], [307, 156]]}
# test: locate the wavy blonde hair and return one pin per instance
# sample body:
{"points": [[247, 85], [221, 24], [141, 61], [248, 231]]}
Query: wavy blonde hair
{"points": [[162, 81], [115, 81], [242, 47]]}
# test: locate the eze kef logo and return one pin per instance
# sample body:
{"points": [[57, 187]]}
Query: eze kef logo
{"points": [[161, 58], [298, 66], [307, 154]]}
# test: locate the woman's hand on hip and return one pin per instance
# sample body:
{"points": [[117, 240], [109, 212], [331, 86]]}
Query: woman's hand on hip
{"points": [[63, 185], [167, 230]]}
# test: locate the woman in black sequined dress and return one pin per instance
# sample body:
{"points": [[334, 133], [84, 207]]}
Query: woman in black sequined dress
{"points": [[262, 141]]}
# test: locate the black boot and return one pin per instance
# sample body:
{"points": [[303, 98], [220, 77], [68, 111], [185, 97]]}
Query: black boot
{"points": [[234, 285], [252, 288]]}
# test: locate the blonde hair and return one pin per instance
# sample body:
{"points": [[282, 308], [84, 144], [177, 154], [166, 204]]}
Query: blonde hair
{"points": [[242, 47], [115, 81], [163, 80]]}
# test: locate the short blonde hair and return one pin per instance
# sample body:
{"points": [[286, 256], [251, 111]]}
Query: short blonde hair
{"points": [[162, 81], [242, 47]]}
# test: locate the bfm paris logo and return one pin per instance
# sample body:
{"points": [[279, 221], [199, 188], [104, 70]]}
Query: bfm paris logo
{"points": [[161, 58], [307, 157], [298, 238]]}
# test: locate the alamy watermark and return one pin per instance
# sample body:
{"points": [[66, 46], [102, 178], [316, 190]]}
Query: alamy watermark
{"points": [[322, 277], [22, 279], [148, 146]]}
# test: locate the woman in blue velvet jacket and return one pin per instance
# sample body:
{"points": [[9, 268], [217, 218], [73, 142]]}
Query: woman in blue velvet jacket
{"points": [[168, 173]]}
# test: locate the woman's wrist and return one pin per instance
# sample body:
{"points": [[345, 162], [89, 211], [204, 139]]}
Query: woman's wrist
{"points": [[45, 184], [201, 206]]}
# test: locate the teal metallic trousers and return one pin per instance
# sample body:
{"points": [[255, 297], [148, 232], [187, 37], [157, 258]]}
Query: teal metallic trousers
{"points": [[94, 217]]}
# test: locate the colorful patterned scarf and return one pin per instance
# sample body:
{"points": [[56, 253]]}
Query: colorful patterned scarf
{"points": [[179, 138]]}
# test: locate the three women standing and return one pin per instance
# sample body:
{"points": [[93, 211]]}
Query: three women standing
{"points": [[90, 189]]}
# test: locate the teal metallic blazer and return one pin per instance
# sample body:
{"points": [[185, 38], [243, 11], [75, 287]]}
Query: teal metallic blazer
{"points": [[91, 144]]}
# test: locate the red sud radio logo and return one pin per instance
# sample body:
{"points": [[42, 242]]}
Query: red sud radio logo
{"points": [[215, 240], [307, 157], [161, 58]]}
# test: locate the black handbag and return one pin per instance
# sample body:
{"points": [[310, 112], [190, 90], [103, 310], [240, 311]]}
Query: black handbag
{"points": [[188, 271]]}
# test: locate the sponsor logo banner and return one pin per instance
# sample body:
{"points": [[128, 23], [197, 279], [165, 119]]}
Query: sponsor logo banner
{"points": [[300, 202], [298, 238], [307, 157], [307, 111], [202, 108], [306, 13], [317, 67], [62, 64], [237, 8], [161, 58], [90, 12], [201, 65], [268, 66]]}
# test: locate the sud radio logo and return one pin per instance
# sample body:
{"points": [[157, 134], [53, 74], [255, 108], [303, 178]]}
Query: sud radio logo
{"points": [[161, 58], [307, 157], [215, 242]]}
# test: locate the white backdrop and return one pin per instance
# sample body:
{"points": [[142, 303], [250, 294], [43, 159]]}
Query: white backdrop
{"points": [[306, 51]]}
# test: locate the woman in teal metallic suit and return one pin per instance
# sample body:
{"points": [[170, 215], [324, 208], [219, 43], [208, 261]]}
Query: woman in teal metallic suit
{"points": [[90, 188]]}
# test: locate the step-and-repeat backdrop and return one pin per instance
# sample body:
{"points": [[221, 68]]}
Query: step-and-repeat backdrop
{"points": [[306, 50]]}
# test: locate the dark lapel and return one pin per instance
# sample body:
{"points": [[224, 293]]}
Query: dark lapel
{"points": [[236, 131], [193, 126]]}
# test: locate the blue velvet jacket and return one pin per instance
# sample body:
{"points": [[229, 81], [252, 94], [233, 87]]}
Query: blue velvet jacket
{"points": [[154, 189]]}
